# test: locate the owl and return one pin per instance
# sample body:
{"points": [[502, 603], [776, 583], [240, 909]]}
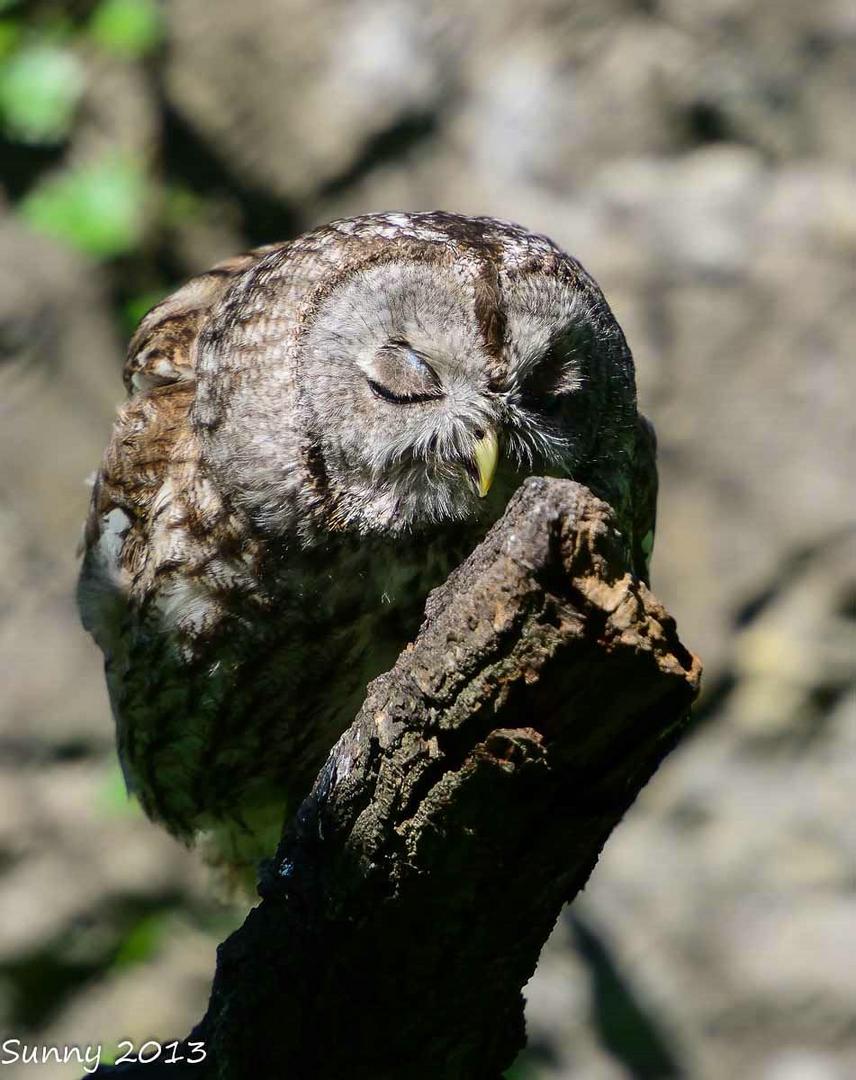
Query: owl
{"points": [[316, 433]]}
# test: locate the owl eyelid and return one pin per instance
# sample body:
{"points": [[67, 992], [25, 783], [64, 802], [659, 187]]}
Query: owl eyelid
{"points": [[402, 399], [408, 364]]}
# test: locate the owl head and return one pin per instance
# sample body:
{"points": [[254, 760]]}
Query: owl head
{"points": [[394, 372]]}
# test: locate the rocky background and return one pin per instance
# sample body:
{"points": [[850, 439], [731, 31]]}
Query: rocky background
{"points": [[700, 160]]}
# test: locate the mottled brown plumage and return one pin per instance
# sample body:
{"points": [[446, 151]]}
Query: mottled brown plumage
{"points": [[308, 432]]}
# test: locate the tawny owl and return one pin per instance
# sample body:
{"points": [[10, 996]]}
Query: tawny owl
{"points": [[316, 434]]}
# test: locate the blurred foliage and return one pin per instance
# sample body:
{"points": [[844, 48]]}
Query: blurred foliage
{"points": [[10, 35], [98, 208], [97, 201], [142, 940], [127, 27], [40, 87], [113, 798], [135, 308]]}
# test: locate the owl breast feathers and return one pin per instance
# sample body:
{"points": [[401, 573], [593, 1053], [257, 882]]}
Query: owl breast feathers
{"points": [[316, 433]]}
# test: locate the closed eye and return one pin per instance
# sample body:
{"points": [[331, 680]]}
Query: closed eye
{"points": [[400, 399], [560, 370], [400, 374]]}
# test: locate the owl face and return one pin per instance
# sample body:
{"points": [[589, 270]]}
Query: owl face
{"points": [[441, 358], [414, 416]]}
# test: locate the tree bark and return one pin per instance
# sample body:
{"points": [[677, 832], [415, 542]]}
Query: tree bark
{"points": [[411, 895]]}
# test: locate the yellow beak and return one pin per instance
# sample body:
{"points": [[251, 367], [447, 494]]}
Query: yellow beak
{"points": [[486, 456]]}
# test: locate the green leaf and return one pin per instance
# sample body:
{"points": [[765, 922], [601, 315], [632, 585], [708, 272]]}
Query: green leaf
{"points": [[10, 35], [97, 208], [137, 306], [141, 942], [40, 86], [128, 27], [112, 797]]}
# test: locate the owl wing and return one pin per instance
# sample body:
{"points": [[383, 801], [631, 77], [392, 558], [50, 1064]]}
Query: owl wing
{"points": [[161, 351], [144, 460], [155, 531], [148, 468]]}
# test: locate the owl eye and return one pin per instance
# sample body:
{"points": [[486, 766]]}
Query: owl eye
{"points": [[557, 376], [399, 373]]}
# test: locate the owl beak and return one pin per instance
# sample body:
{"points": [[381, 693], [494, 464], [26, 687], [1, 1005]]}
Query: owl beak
{"points": [[485, 458]]}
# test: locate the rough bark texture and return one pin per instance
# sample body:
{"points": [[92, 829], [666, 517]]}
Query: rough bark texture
{"points": [[410, 897]]}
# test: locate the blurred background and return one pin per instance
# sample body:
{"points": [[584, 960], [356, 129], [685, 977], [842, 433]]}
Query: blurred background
{"points": [[699, 158]]}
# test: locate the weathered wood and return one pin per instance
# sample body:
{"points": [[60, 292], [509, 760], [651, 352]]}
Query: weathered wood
{"points": [[410, 897]]}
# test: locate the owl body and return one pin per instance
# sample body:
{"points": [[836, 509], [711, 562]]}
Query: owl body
{"points": [[316, 434]]}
